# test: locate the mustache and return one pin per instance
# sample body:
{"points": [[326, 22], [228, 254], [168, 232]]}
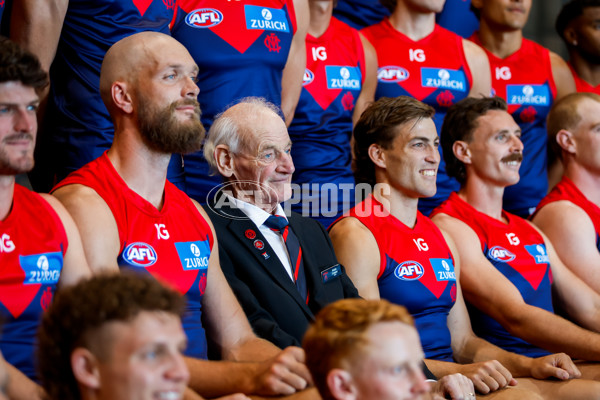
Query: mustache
{"points": [[517, 156]]}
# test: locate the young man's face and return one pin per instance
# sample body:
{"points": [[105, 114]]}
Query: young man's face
{"points": [[391, 369], [145, 360], [18, 127], [496, 150], [504, 15], [586, 29], [412, 162], [587, 136]]}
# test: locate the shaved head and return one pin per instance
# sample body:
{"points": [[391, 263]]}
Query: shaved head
{"points": [[126, 60]]}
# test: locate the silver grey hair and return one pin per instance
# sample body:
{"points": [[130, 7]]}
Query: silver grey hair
{"points": [[229, 128]]}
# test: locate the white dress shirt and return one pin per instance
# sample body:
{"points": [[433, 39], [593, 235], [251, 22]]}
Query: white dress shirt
{"points": [[275, 239]]}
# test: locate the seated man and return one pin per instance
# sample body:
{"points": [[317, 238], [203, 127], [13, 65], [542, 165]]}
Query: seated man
{"points": [[509, 268], [281, 274], [352, 344], [114, 337], [394, 252], [570, 214], [40, 247], [132, 218]]}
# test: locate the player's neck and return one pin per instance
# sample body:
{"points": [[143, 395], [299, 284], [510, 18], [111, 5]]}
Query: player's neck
{"points": [[7, 190], [484, 197], [500, 43], [415, 25], [585, 70], [143, 170], [402, 207], [320, 17], [588, 183]]}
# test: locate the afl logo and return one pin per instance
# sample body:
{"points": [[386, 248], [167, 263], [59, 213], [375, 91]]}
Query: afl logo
{"points": [[204, 18], [392, 73], [140, 254], [409, 271], [500, 254], [308, 77]]}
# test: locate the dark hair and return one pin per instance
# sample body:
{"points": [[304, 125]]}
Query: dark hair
{"points": [[389, 4], [378, 125], [459, 124], [17, 64], [338, 336], [570, 11], [78, 311]]}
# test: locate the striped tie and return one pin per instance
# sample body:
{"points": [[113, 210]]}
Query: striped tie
{"points": [[281, 225]]}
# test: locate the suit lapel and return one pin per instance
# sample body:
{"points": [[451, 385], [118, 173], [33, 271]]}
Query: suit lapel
{"points": [[272, 265]]}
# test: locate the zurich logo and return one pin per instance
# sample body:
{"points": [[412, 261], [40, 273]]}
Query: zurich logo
{"points": [[266, 14], [500, 254], [528, 90], [204, 18], [444, 75], [140, 254], [409, 271], [308, 77], [392, 73]]}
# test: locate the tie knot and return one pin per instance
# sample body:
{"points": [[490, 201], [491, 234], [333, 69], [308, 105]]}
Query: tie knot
{"points": [[276, 222]]}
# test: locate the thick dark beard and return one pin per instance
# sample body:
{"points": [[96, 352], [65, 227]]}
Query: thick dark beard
{"points": [[162, 132]]}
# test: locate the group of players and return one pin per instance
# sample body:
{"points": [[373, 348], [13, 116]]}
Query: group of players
{"points": [[481, 283]]}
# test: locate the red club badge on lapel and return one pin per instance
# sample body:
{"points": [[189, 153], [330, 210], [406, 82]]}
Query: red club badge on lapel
{"points": [[259, 244], [250, 234]]}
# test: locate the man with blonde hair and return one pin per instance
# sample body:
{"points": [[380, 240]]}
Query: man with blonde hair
{"points": [[368, 349], [570, 215]]}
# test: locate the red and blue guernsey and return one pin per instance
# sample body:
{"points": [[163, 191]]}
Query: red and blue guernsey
{"points": [[518, 251], [433, 70], [524, 79], [416, 271], [77, 126], [241, 48], [566, 190], [581, 85], [33, 243], [322, 126], [173, 245]]}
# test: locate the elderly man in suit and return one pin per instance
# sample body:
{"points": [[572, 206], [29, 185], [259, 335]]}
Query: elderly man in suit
{"points": [[282, 268]]}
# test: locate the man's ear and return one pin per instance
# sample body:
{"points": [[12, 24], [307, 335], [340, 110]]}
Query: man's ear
{"points": [[462, 152], [121, 96], [377, 155], [224, 159], [85, 368], [341, 385], [570, 36], [565, 140]]}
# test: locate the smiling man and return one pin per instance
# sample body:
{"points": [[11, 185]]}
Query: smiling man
{"points": [[394, 252], [282, 268], [510, 270], [114, 337]]}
